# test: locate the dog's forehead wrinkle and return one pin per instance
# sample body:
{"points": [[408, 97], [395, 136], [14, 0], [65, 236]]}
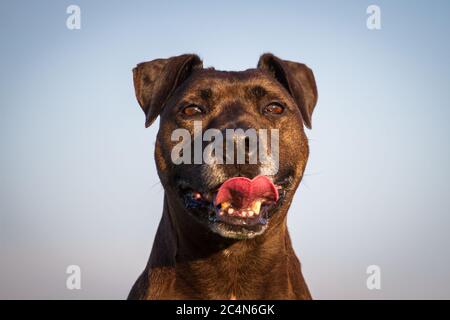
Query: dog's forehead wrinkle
{"points": [[209, 78], [257, 91], [205, 93]]}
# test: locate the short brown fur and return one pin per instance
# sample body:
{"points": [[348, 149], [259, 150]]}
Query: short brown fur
{"points": [[189, 261]]}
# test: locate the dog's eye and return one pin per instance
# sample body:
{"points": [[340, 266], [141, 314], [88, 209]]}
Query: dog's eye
{"points": [[192, 110], [274, 108]]}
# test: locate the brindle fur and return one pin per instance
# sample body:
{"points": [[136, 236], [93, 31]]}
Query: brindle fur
{"points": [[188, 260]]}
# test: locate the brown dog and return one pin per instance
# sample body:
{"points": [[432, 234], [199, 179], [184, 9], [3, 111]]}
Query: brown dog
{"points": [[223, 235]]}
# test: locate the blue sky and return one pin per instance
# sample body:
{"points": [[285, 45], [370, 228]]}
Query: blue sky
{"points": [[78, 182]]}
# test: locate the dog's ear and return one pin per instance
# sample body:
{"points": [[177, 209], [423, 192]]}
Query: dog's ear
{"points": [[156, 80], [297, 78]]}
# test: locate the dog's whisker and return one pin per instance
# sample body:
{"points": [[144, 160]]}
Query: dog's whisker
{"points": [[305, 184], [312, 174], [155, 184]]}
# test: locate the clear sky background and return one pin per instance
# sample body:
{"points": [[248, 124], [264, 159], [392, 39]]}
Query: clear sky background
{"points": [[78, 184]]}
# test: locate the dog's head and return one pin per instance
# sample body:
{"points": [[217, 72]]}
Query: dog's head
{"points": [[211, 164]]}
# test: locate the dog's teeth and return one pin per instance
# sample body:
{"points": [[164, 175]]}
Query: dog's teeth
{"points": [[225, 205], [256, 206], [230, 210], [244, 213], [221, 212], [250, 213], [197, 195]]}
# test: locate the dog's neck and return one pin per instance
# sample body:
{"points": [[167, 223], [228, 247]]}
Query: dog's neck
{"points": [[214, 267]]}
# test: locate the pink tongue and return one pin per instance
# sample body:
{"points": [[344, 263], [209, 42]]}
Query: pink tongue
{"points": [[241, 192]]}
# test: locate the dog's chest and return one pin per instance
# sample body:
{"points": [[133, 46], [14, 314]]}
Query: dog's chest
{"points": [[226, 276]]}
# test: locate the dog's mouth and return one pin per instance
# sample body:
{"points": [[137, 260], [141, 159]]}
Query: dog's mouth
{"points": [[240, 207], [241, 201]]}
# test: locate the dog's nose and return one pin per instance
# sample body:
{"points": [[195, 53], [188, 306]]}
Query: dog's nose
{"points": [[241, 154], [248, 151], [241, 144]]}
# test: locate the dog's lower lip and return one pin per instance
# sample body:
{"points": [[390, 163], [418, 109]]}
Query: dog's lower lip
{"points": [[201, 201]]}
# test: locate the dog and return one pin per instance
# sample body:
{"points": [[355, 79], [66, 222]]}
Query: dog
{"points": [[223, 231]]}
